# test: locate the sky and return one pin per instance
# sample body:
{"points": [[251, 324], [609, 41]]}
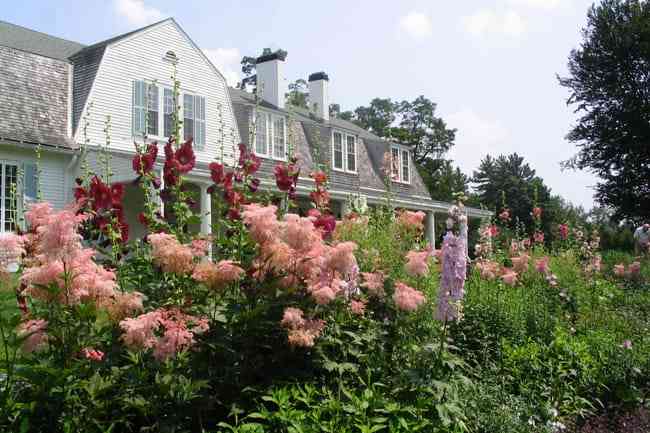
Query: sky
{"points": [[490, 65]]}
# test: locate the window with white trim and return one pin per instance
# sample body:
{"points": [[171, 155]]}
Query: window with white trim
{"points": [[351, 153], [8, 196], [344, 152], [147, 102], [337, 150], [270, 140], [400, 164]]}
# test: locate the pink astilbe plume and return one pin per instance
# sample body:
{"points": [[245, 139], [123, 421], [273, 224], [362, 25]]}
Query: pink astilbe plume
{"points": [[38, 214], [411, 220], [374, 283], [417, 263], [509, 277], [301, 332], [123, 305], [217, 275], [170, 254], [261, 221], [358, 307], [407, 298], [166, 331], [489, 269], [454, 266]]}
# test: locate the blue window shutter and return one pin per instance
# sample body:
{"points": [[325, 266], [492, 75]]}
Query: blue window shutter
{"points": [[30, 182]]}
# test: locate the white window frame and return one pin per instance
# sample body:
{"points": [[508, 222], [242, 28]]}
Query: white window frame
{"points": [[345, 152], [269, 130], [181, 113], [401, 151], [3, 195]]}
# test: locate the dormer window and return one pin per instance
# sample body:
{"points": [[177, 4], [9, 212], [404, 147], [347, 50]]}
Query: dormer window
{"points": [[400, 164], [270, 139], [344, 152]]}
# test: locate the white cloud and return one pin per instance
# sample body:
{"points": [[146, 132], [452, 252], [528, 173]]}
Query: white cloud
{"points": [[136, 12], [416, 24], [487, 21], [227, 61], [476, 137], [539, 4]]}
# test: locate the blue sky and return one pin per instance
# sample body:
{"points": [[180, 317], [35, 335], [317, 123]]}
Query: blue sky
{"points": [[489, 64]]}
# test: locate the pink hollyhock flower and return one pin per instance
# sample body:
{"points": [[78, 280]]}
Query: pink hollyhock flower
{"points": [[564, 231], [319, 176], [520, 264], [619, 270], [537, 212], [358, 307], [33, 331], [493, 230], [504, 216], [170, 254], [542, 265], [627, 344], [417, 264], [92, 354], [515, 247], [509, 277], [538, 237], [411, 219], [374, 283], [407, 298]]}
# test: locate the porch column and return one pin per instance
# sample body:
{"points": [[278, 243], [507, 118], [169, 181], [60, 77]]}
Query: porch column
{"points": [[345, 208], [206, 214], [430, 228]]}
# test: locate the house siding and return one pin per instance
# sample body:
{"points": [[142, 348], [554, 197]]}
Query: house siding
{"points": [[140, 56], [86, 63], [52, 180], [33, 98]]}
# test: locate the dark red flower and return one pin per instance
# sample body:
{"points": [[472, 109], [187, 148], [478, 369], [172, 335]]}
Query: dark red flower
{"points": [[227, 181], [286, 177], [252, 164], [80, 193], [254, 184], [156, 182], [185, 158], [234, 198], [117, 193], [216, 172], [233, 214], [101, 194], [144, 163], [327, 224], [143, 219], [321, 198]]}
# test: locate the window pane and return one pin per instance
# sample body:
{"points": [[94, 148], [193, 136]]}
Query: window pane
{"points": [[199, 121], [278, 138], [352, 153], [169, 107], [152, 110], [188, 116], [338, 150], [260, 135], [395, 163], [7, 184], [405, 166]]}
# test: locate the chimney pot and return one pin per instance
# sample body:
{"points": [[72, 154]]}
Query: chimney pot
{"points": [[270, 78], [319, 95]]}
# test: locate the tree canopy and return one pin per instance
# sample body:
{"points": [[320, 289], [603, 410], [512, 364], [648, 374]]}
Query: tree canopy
{"points": [[609, 83], [413, 123]]}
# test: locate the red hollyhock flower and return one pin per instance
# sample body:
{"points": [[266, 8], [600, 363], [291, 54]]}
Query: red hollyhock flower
{"points": [[80, 193], [185, 158], [537, 212], [321, 198], [227, 181], [286, 177], [142, 218], [319, 176], [144, 163], [233, 214], [326, 223], [234, 198], [254, 185], [101, 194], [313, 212], [117, 193], [248, 161], [216, 172]]}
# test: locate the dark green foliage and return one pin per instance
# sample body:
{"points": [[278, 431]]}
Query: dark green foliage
{"points": [[610, 88]]}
